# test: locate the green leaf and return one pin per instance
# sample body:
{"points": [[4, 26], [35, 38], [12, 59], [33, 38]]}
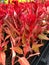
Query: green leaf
{"points": [[43, 37], [35, 47]]}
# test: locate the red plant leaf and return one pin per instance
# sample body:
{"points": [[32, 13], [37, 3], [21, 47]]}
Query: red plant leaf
{"points": [[13, 57], [23, 61], [4, 43], [33, 55], [26, 49], [18, 50], [2, 57]]}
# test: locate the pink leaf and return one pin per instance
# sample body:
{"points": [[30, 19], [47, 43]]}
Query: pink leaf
{"points": [[23, 61], [26, 49], [2, 57]]}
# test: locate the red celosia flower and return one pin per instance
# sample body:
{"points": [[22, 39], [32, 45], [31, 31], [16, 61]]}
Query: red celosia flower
{"points": [[31, 21], [10, 9], [41, 9], [1, 48], [2, 13], [23, 28], [47, 3], [1, 22]]}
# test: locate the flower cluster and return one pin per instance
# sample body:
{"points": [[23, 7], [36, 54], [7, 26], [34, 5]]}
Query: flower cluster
{"points": [[24, 25]]}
